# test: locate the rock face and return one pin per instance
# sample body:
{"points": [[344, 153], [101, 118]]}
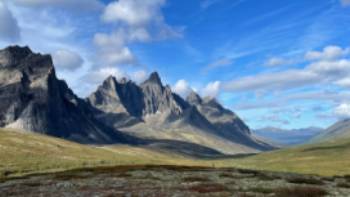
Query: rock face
{"points": [[225, 122], [33, 99], [153, 111]]}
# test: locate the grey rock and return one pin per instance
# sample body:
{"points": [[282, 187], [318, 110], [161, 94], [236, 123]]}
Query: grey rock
{"points": [[33, 99], [225, 122], [155, 107]]}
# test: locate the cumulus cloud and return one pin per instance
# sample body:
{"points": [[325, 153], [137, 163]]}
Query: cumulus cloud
{"points": [[113, 47], [182, 88], [9, 29], [139, 76], [212, 89], [77, 5], [343, 110], [98, 76], [328, 53], [133, 12], [137, 21], [67, 60]]}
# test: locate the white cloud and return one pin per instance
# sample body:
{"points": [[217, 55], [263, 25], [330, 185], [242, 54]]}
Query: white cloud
{"points": [[9, 29], [133, 12], [113, 50], [212, 89], [331, 69], [182, 88], [77, 5], [343, 110], [326, 69], [136, 21], [139, 76], [97, 77], [345, 2], [344, 82], [67, 60], [276, 61], [272, 81], [328, 53]]}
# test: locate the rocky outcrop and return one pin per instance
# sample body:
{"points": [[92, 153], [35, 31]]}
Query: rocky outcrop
{"points": [[142, 110], [33, 99], [225, 122]]}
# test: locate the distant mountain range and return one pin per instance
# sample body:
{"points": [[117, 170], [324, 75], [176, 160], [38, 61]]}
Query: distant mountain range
{"points": [[286, 137], [120, 111]]}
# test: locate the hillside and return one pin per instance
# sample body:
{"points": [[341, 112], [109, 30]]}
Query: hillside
{"points": [[22, 152], [339, 130], [327, 158]]}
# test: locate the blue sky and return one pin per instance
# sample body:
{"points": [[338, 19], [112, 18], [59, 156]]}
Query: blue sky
{"points": [[275, 63]]}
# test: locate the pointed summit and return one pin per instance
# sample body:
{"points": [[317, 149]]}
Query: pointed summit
{"points": [[13, 54], [154, 78], [193, 98]]}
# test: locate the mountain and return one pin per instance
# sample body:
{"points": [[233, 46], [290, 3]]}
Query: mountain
{"points": [[288, 137], [119, 111], [33, 99], [339, 130], [152, 111]]}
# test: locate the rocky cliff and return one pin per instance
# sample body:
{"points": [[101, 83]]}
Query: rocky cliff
{"points": [[33, 99]]}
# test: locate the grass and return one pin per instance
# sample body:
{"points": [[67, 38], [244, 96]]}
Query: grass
{"points": [[326, 159], [25, 153]]}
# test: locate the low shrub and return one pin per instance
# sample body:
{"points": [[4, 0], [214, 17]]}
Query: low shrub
{"points": [[195, 179], [301, 180], [208, 188], [300, 192]]}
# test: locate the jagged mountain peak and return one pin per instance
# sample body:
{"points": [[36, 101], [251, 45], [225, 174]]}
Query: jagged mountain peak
{"points": [[33, 99], [18, 51], [193, 98], [154, 78], [123, 80], [22, 57]]}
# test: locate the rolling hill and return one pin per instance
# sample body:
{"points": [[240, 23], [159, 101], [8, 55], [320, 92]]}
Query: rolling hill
{"points": [[339, 130], [22, 152], [26, 153]]}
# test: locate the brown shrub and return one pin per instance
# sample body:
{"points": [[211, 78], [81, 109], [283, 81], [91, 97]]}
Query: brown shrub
{"points": [[343, 185], [208, 188], [300, 192], [301, 180], [195, 179]]}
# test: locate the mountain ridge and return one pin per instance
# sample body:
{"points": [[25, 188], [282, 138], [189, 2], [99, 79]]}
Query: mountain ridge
{"points": [[165, 112], [119, 111]]}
